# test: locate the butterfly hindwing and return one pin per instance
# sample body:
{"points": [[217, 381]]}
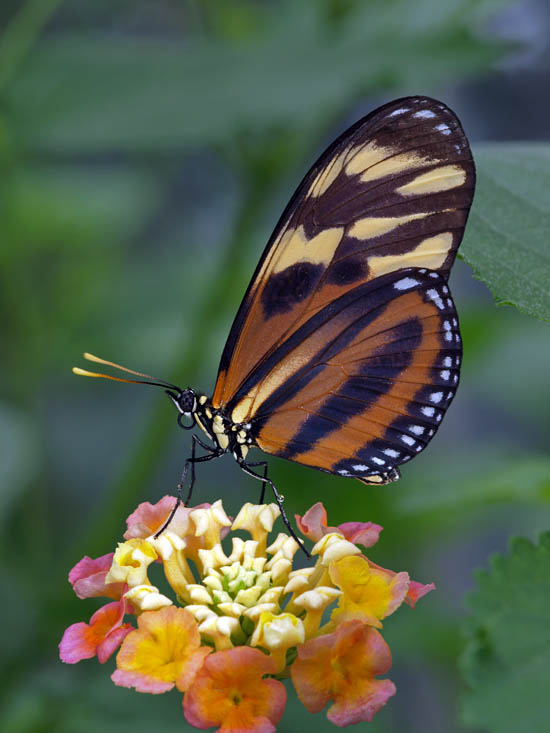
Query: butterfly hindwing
{"points": [[363, 385], [392, 192]]}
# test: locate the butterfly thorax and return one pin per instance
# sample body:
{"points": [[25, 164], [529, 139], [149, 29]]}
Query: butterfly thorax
{"points": [[222, 431]]}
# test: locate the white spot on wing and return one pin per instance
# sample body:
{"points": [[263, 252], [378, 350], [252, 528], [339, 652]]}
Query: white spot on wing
{"points": [[433, 295], [434, 275], [379, 461], [360, 467], [447, 361], [428, 411], [405, 283], [424, 114], [445, 374], [416, 429], [436, 397], [408, 440], [399, 111], [443, 129], [392, 453]]}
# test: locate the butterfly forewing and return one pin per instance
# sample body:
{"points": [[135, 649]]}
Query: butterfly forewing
{"points": [[392, 192], [345, 351]]}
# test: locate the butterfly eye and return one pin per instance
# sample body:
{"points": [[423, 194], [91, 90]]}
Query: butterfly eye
{"points": [[185, 401]]}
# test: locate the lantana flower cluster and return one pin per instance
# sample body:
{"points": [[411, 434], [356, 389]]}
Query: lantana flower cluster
{"points": [[234, 625]]}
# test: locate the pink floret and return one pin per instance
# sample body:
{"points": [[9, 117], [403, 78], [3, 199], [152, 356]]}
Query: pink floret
{"points": [[88, 578]]}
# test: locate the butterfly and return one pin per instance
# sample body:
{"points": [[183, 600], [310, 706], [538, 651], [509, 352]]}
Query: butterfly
{"points": [[345, 352]]}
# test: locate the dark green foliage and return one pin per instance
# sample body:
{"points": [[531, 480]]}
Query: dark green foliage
{"points": [[507, 239], [505, 662]]}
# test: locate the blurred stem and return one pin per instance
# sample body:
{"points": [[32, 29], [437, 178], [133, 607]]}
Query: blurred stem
{"points": [[21, 34], [150, 447]]}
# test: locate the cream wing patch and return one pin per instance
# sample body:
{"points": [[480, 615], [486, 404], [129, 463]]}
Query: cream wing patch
{"points": [[242, 410], [326, 177], [294, 247], [434, 181], [374, 479], [374, 226], [431, 253], [363, 157], [372, 162]]}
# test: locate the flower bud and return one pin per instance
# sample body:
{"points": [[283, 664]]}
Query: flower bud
{"points": [[146, 598], [277, 633], [130, 562]]}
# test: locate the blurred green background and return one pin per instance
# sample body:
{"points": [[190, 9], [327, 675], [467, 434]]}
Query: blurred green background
{"points": [[147, 149]]}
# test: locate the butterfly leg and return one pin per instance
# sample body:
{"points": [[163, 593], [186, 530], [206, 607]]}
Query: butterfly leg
{"points": [[190, 463], [247, 468], [261, 464]]}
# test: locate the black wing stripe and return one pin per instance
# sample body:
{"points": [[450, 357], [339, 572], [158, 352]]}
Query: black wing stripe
{"points": [[299, 379], [322, 422]]}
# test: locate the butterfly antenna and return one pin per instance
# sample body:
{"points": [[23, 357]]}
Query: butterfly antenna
{"points": [[148, 379]]}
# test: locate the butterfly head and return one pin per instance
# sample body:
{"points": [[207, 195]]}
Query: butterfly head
{"points": [[185, 400]]}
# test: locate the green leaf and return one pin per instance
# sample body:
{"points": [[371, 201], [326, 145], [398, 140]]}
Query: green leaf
{"points": [[505, 662], [508, 235]]}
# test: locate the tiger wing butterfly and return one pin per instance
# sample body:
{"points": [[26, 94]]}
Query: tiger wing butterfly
{"points": [[345, 352]]}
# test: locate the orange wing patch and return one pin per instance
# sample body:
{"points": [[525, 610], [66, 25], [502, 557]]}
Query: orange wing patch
{"points": [[364, 388]]}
